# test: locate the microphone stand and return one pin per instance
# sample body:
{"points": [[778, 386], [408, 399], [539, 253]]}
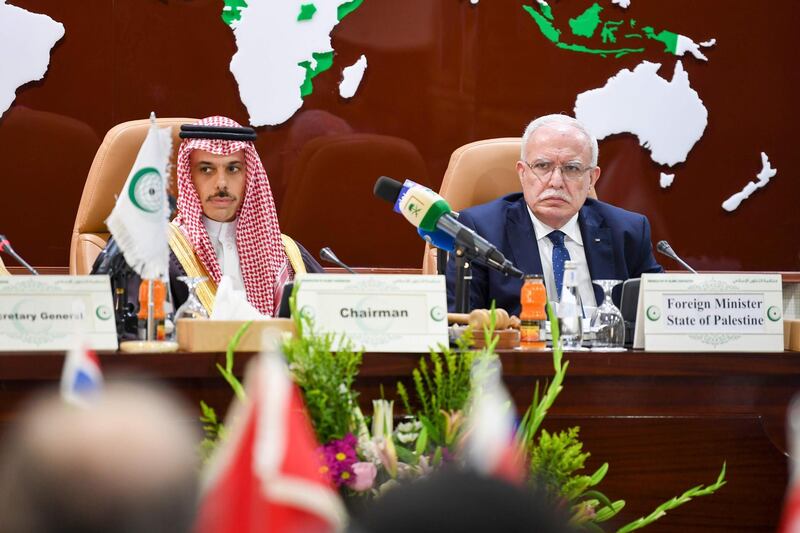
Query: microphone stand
{"points": [[441, 261], [463, 279], [112, 263]]}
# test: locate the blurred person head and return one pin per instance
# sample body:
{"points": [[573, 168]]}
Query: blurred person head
{"points": [[125, 464], [557, 167], [463, 501]]}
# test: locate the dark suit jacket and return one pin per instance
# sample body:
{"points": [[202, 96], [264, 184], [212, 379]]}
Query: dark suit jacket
{"points": [[616, 242]]}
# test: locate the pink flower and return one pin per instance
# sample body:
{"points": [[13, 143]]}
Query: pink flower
{"points": [[364, 476], [338, 457]]}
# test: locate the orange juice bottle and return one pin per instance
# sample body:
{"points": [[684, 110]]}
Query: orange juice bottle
{"points": [[159, 297], [533, 299]]}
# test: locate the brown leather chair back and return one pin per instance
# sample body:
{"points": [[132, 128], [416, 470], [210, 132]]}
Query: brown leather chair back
{"points": [[479, 172], [329, 199], [108, 173]]}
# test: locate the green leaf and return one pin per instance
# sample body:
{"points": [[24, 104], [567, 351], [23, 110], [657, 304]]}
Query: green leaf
{"points": [[422, 440], [430, 429], [227, 373], [609, 512], [675, 502], [597, 495], [599, 474], [406, 456], [437, 456]]}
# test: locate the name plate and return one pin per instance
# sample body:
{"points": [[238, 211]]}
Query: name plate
{"points": [[43, 313], [377, 312], [710, 313]]}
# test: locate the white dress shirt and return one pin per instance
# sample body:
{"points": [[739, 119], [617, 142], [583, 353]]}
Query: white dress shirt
{"points": [[573, 240], [223, 238]]}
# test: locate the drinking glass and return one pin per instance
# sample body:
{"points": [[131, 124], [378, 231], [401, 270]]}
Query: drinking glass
{"points": [[191, 308], [607, 322]]}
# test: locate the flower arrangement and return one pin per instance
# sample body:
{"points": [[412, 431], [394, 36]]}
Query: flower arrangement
{"points": [[365, 460]]}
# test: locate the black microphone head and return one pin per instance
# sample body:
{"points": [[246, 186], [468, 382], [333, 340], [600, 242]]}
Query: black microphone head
{"points": [[664, 247], [387, 189]]}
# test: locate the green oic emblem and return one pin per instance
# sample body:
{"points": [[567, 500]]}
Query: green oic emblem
{"points": [[653, 313], [147, 190], [438, 314], [774, 313], [103, 312]]}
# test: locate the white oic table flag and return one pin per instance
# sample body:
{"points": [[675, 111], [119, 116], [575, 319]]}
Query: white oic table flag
{"points": [[139, 219]]}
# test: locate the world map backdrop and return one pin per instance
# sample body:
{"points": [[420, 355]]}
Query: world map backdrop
{"points": [[440, 74]]}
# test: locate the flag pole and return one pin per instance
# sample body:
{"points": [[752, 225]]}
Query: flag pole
{"points": [[151, 306]]}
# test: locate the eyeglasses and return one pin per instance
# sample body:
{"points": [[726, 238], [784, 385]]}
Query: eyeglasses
{"points": [[569, 171]]}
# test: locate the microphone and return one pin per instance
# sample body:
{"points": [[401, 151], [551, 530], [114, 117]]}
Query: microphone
{"points": [[430, 212], [439, 239], [109, 259], [326, 254], [664, 248], [5, 246]]}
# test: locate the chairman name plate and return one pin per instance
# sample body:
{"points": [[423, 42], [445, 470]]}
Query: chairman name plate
{"points": [[710, 313], [377, 312], [43, 313]]}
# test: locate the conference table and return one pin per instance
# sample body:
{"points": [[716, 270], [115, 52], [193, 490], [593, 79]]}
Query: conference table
{"points": [[664, 422]]}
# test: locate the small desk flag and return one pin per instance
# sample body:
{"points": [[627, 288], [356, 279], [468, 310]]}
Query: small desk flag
{"points": [[139, 219], [81, 377]]}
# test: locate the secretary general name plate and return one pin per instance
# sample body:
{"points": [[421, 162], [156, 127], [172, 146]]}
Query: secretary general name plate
{"points": [[377, 312], [40, 313]]}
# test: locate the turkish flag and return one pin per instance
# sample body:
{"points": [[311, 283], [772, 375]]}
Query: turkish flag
{"points": [[790, 521], [266, 475]]}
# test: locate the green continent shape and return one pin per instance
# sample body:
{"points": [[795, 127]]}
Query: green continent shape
{"points": [[619, 52], [670, 39], [547, 11], [608, 33], [306, 12], [545, 26], [231, 11], [348, 7], [324, 62], [585, 24]]}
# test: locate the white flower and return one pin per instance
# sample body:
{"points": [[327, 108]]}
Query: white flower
{"points": [[382, 418], [408, 432], [405, 438]]}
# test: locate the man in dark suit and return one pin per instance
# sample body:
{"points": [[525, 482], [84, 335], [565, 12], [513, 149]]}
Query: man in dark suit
{"points": [[552, 220]]}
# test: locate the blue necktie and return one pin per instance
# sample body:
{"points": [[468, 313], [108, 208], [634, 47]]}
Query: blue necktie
{"points": [[560, 255]]}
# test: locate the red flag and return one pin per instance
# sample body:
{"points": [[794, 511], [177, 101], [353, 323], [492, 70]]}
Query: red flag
{"points": [[266, 475], [790, 521]]}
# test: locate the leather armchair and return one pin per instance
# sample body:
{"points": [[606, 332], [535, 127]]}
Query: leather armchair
{"points": [[107, 175]]}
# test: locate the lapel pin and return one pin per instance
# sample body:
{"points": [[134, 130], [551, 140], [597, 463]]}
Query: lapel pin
{"points": [[597, 240]]}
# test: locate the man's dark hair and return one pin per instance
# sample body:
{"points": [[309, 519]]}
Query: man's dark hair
{"points": [[463, 501]]}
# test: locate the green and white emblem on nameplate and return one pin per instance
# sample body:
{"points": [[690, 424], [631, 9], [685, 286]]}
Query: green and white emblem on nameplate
{"points": [[710, 313], [41, 313], [381, 313]]}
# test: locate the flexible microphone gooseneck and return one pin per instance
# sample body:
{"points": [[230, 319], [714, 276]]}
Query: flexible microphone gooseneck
{"points": [[5, 246], [327, 255], [430, 212], [663, 247]]}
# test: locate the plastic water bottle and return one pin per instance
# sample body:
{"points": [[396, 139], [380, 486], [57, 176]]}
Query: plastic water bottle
{"points": [[570, 314]]}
